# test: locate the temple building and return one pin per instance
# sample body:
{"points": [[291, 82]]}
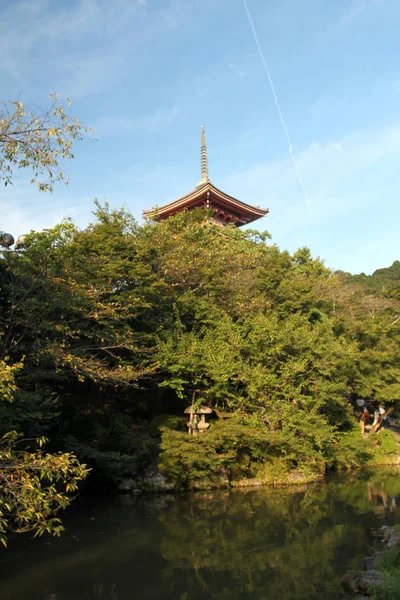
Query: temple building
{"points": [[226, 208]]}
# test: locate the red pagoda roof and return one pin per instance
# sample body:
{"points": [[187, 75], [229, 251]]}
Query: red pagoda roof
{"points": [[227, 209]]}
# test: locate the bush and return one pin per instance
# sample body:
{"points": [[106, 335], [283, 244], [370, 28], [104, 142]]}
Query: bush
{"points": [[389, 563], [353, 450], [233, 450], [111, 467], [385, 446], [166, 421], [228, 446]]}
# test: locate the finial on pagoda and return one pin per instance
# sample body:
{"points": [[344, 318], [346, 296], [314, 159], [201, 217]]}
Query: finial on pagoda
{"points": [[204, 161]]}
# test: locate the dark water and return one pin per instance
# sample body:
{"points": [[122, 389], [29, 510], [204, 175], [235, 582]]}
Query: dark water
{"points": [[289, 544]]}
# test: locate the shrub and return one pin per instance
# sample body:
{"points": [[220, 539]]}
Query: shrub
{"points": [[389, 563], [236, 449], [351, 450], [385, 445], [166, 421], [110, 466]]}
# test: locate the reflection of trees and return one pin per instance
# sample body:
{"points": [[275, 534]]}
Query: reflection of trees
{"points": [[289, 543], [383, 493], [266, 539], [284, 543], [370, 491]]}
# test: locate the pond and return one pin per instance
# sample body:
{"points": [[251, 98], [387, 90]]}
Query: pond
{"points": [[269, 543]]}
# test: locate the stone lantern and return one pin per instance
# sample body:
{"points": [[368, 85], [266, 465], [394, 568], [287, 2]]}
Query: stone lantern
{"points": [[197, 420]]}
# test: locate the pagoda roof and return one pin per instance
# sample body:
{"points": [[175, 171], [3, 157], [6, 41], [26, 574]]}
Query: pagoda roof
{"points": [[227, 209], [206, 195]]}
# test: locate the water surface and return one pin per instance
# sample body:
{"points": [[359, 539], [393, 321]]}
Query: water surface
{"points": [[270, 543]]}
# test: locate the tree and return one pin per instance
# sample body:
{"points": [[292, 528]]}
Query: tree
{"points": [[33, 485], [115, 326], [39, 139]]}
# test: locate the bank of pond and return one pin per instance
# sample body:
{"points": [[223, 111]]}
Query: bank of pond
{"points": [[293, 542]]}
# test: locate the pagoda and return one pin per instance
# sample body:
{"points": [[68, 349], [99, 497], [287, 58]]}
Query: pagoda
{"points": [[226, 209]]}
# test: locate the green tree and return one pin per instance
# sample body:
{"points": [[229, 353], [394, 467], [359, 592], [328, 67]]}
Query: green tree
{"points": [[117, 325]]}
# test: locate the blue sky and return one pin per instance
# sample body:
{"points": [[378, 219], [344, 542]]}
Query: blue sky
{"points": [[146, 74]]}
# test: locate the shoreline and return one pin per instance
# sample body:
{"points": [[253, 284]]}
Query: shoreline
{"points": [[155, 482]]}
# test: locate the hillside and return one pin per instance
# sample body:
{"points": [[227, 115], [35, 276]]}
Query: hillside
{"points": [[386, 280]]}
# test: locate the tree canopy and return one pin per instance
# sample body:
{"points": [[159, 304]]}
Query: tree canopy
{"points": [[112, 330]]}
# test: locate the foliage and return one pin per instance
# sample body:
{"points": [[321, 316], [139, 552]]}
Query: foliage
{"points": [[230, 448], [110, 467], [38, 139], [353, 450], [389, 563], [118, 327], [166, 422], [385, 445], [385, 281], [7, 380], [34, 486], [238, 448]]}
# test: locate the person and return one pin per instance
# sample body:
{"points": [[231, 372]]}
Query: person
{"points": [[365, 416], [360, 402], [382, 410], [376, 415]]}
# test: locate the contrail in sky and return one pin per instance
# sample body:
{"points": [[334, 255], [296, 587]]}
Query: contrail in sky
{"points": [[278, 107]]}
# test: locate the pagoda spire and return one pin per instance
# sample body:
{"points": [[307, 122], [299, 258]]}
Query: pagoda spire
{"points": [[204, 161]]}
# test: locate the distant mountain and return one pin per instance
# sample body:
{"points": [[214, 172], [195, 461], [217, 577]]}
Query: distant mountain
{"points": [[384, 280]]}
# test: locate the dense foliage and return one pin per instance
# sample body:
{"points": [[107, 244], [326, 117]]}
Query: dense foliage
{"points": [[385, 280], [112, 331]]}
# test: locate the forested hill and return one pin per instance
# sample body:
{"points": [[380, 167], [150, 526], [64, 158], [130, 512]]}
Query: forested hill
{"points": [[384, 280]]}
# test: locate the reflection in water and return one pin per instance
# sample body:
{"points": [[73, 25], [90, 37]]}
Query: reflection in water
{"points": [[289, 543], [377, 495]]}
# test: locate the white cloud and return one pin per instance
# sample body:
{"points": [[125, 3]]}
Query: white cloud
{"points": [[352, 182], [355, 176], [325, 167], [86, 46], [17, 219], [96, 18], [23, 208]]}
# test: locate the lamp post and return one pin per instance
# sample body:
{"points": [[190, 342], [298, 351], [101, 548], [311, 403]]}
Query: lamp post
{"points": [[7, 240]]}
